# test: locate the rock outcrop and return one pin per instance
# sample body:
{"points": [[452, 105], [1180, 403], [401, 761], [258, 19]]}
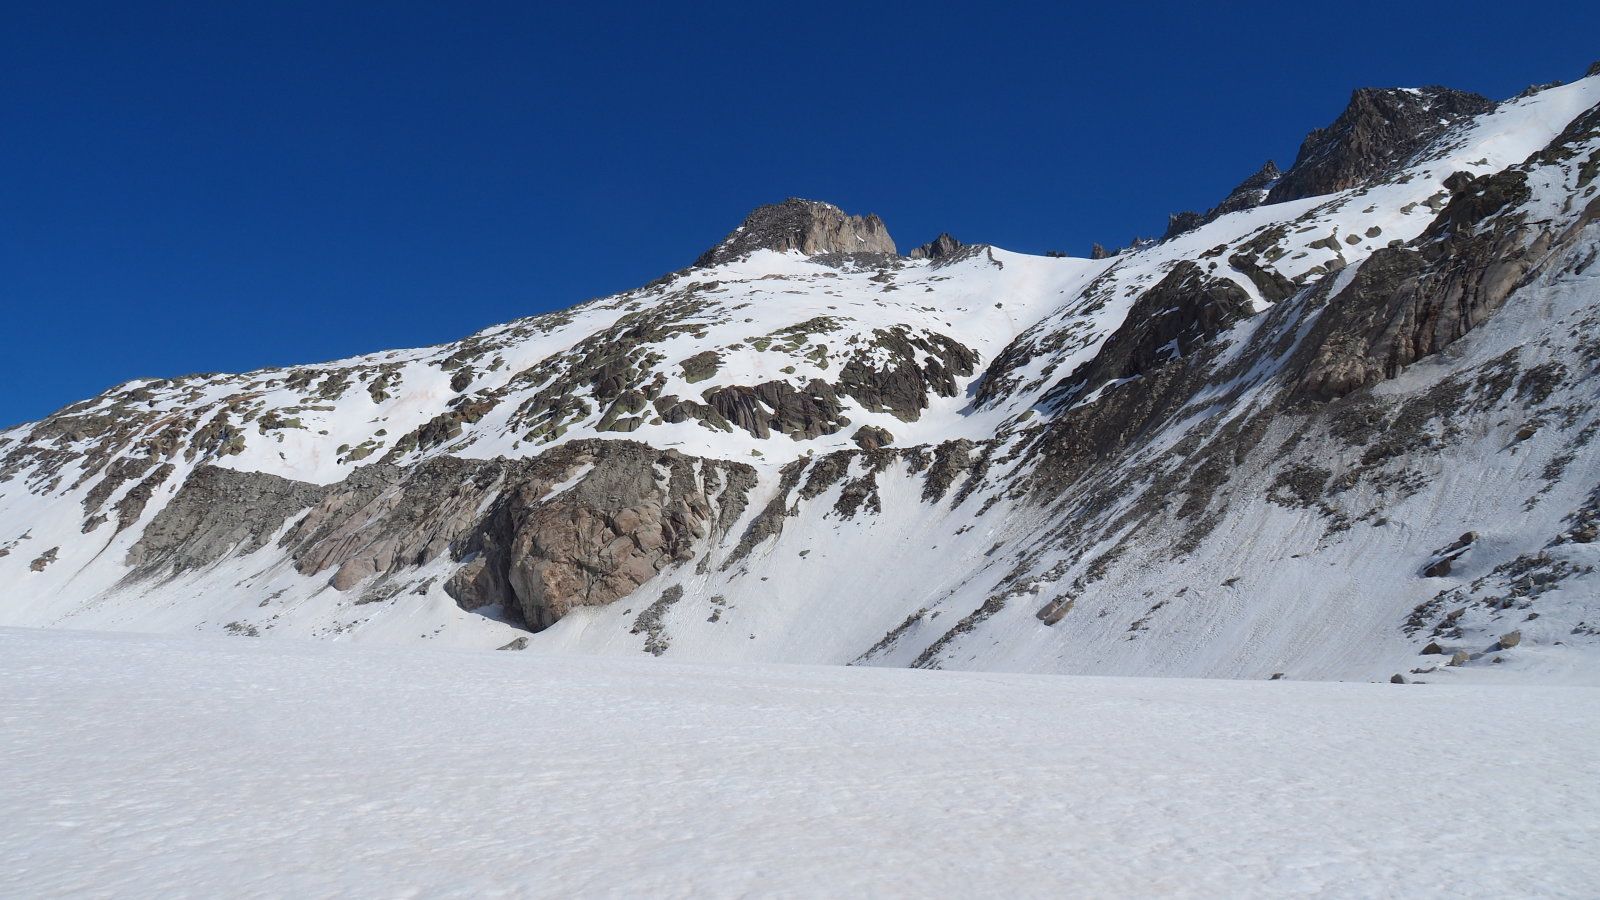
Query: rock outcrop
{"points": [[1251, 193], [1380, 128], [809, 226], [940, 247], [634, 511], [1409, 302], [1167, 322], [582, 524]]}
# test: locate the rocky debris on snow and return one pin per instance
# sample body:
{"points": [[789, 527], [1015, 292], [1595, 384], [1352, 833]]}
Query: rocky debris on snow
{"points": [[1443, 559], [649, 621], [809, 226], [520, 643], [44, 559]]}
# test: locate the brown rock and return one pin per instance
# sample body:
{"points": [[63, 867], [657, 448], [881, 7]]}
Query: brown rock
{"points": [[871, 437], [809, 226]]}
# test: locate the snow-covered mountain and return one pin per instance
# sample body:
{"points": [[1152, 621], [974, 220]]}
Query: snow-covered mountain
{"points": [[1339, 426]]}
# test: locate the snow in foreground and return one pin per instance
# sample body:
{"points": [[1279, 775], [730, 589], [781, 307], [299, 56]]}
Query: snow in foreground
{"points": [[161, 767]]}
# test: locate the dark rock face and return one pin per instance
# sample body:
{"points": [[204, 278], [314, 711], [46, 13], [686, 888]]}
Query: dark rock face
{"points": [[1409, 302], [917, 365], [1250, 193], [1404, 304], [1380, 128], [940, 247], [218, 511], [637, 511], [810, 226], [776, 406], [1178, 223], [632, 511], [1169, 321], [1099, 252], [871, 437]]}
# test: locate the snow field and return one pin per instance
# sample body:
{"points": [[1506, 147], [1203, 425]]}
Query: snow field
{"points": [[144, 766]]}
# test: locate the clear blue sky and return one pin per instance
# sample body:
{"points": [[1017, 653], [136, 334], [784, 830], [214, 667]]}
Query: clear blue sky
{"points": [[224, 186]]}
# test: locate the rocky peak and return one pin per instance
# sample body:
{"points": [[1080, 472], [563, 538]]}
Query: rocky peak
{"points": [[1380, 128], [1251, 193], [810, 226], [940, 247]]}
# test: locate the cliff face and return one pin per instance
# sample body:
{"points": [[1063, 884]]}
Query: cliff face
{"points": [[809, 226], [1380, 128], [1253, 448]]}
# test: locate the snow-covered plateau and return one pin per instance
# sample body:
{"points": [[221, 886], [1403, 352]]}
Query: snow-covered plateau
{"points": [[163, 767]]}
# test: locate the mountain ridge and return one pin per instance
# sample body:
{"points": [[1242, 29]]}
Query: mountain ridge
{"points": [[808, 448]]}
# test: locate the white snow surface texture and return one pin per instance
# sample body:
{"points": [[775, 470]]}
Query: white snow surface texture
{"points": [[162, 767]]}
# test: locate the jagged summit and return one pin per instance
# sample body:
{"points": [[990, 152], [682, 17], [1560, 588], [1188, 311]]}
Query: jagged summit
{"points": [[940, 247], [810, 226], [1380, 128]]}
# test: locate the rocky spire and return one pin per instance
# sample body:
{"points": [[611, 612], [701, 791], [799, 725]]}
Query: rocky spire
{"points": [[1380, 127], [810, 226], [938, 248]]}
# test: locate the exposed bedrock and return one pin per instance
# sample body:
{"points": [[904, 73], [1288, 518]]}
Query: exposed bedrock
{"points": [[584, 524], [1410, 302], [637, 511], [809, 226], [1171, 319], [1381, 127]]}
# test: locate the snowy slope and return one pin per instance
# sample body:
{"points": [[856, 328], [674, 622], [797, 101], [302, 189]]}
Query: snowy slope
{"points": [[145, 766], [987, 461]]}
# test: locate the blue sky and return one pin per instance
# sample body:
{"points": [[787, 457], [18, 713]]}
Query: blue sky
{"points": [[221, 187]]}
